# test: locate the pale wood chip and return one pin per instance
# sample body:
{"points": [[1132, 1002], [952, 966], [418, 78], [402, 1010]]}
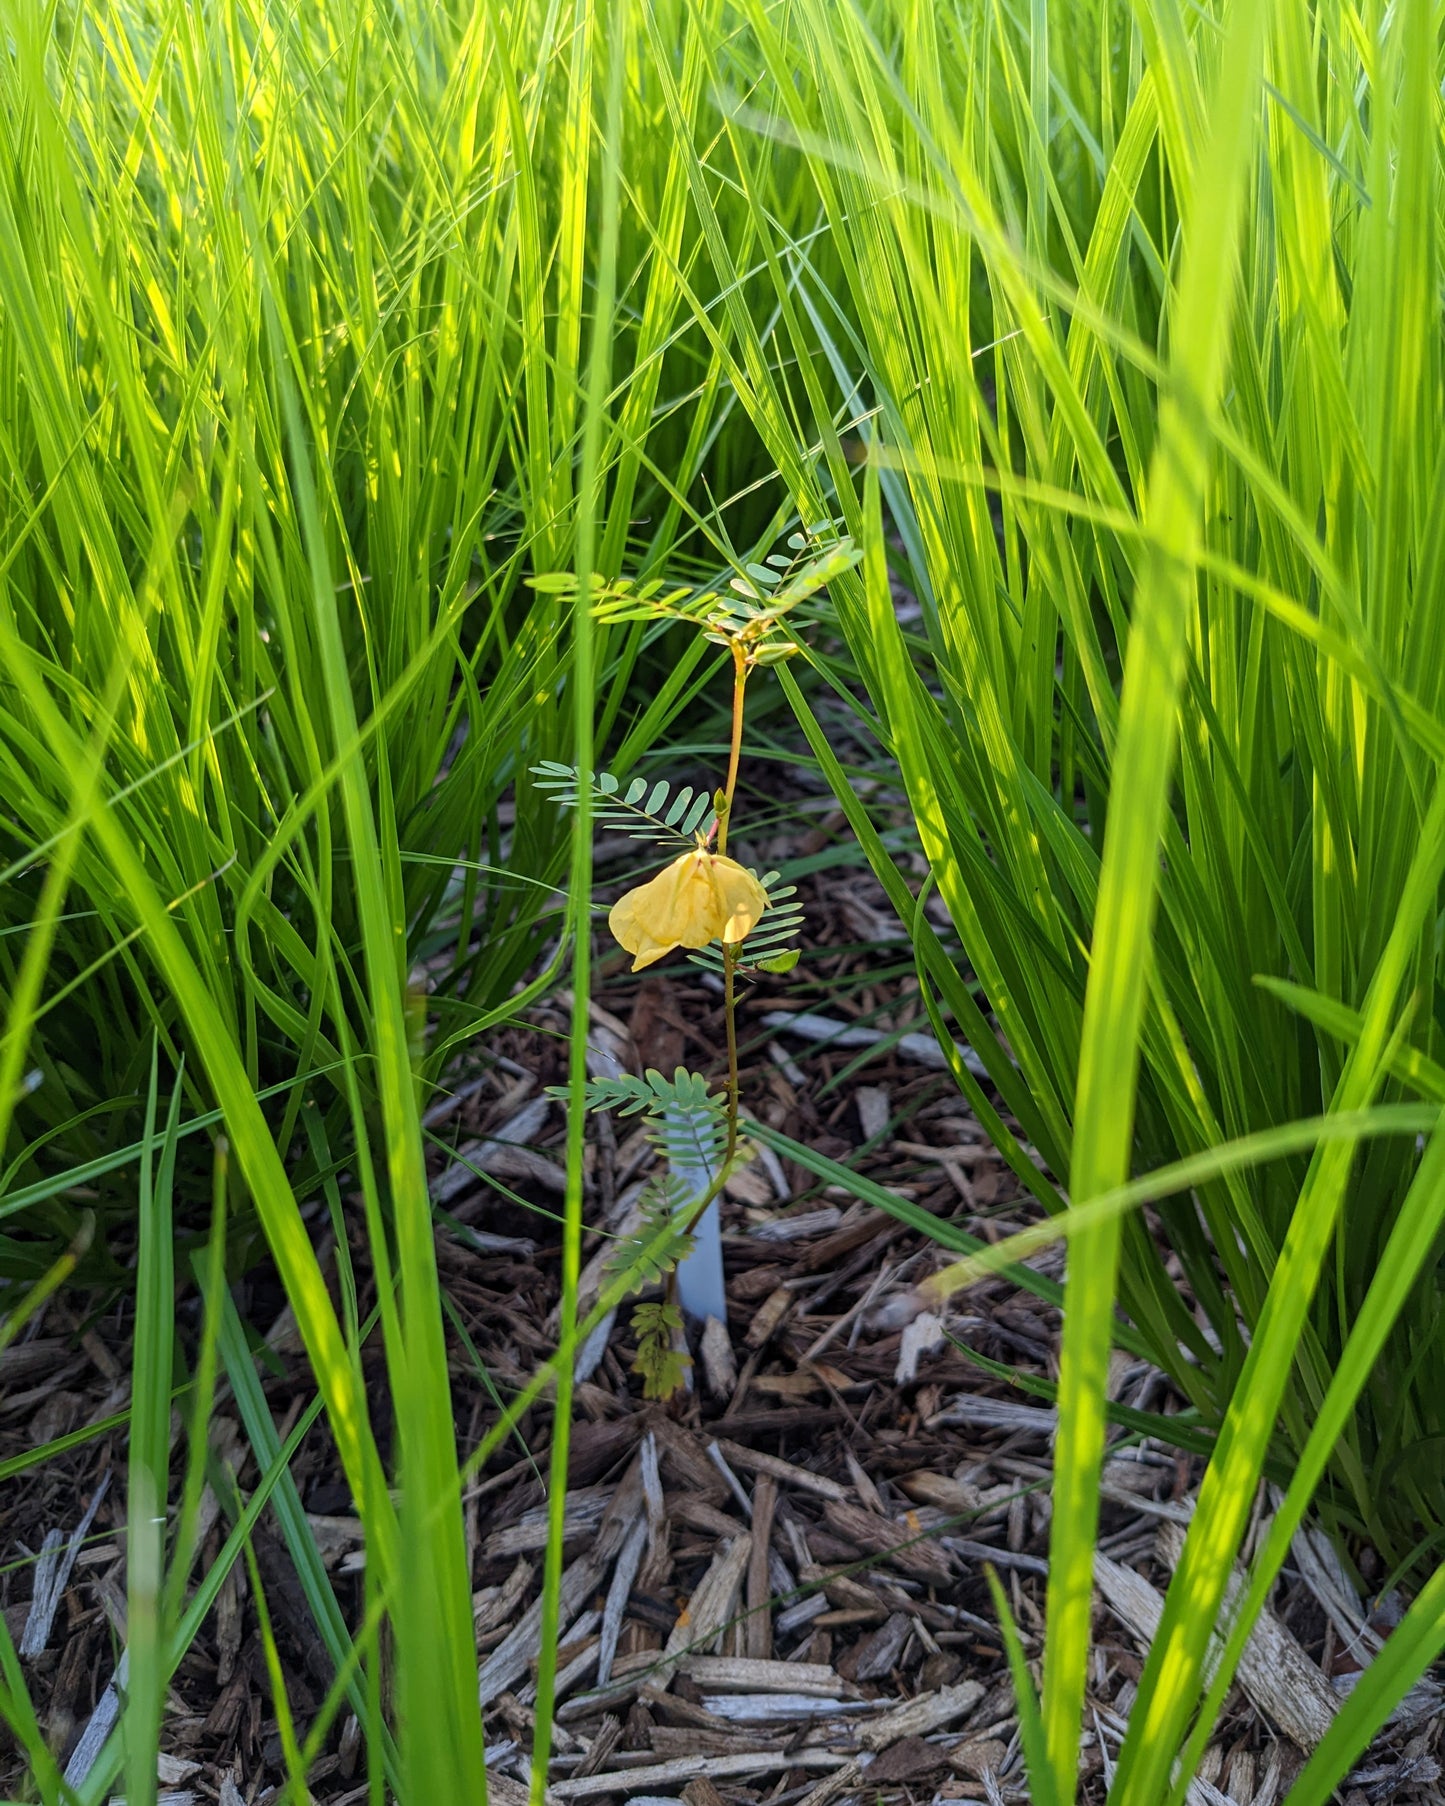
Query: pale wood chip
{"points": [[836, 1785], [697, 1514], [901, 1544], [495, 1606], [502, 1790], [879, 1651], [509, 1661], [800, 1226], [768, 1316], [782, 1471], [741, 1674], [730, 1479], [922, 1337], [760, 1620], [1274, 1671], [629, 1560], [928, 1712], [99, 1726], [947, 1494], [586, 1506], [977, 1412], [875, 1110], [780, 1708], [719, 1367], [52, 1575], [923, 1050], [662, 1774], [713, 1603], [863, 1484]]}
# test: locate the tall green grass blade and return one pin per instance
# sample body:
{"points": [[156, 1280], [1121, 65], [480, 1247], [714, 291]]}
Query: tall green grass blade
{"points": [[148, 1466], [1114, 1003], [579, 902]]}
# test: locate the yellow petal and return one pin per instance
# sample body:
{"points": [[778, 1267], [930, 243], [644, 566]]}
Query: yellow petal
{"points": [[742, 899], [700, 897]]}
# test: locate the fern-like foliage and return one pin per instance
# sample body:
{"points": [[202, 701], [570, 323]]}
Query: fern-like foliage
{"points": [[751, 610], [661, 1363], [687, 1127], [660, 1241], [772, 946], [685, 1121], [653, 812]]}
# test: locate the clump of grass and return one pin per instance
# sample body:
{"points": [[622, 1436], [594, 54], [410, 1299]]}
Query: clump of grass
{"points": [[1137, 316], [301, 323]]}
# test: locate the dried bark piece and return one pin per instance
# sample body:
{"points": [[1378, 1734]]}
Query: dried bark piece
{"points": [[906, 1762], [629, 1560], [940, 1490], [1275, 1673], [778, 1708], [899, 1543], [784, 1472], [493, 1607], [1274, 1670], [768, 1316], [630, 1782], [719, 1366], [52, 1575], [878, 1653], [928, 1712], [760, 1619], [712, 1604], [701, 1792], [740, 1674]]}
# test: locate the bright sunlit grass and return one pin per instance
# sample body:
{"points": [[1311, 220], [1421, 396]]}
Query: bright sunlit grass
{"points": [[350, 355]]}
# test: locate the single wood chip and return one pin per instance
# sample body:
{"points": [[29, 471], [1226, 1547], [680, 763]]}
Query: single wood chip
{"points": [[902, 1544], [662, 1774], [784, 1472], [928, 1712], [99, 1727], [713, 1603], [875, 1110], [740, 1674], [974, 1411], [701, 1792], [719, 1367], [922, 1049], [52, 1576], [881, 1648], [778, 1708], [768, 1316], [629, 1560], [922, 1337], [1274, 1670], [941, 1490], [759, 1594], [1275, 1673], [494, 1606]]}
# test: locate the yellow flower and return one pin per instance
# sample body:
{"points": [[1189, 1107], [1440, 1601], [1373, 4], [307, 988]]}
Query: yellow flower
{"points": [[700, 897]]}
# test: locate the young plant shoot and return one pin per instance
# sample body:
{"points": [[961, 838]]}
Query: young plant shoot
{"points": [[728, 919]]}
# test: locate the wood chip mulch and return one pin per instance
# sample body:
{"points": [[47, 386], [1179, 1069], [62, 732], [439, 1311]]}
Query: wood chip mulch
{"points": [[774, 1588]]}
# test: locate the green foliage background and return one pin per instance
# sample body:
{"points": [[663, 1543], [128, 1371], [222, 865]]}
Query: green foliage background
{"points": [[323, 328]]}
